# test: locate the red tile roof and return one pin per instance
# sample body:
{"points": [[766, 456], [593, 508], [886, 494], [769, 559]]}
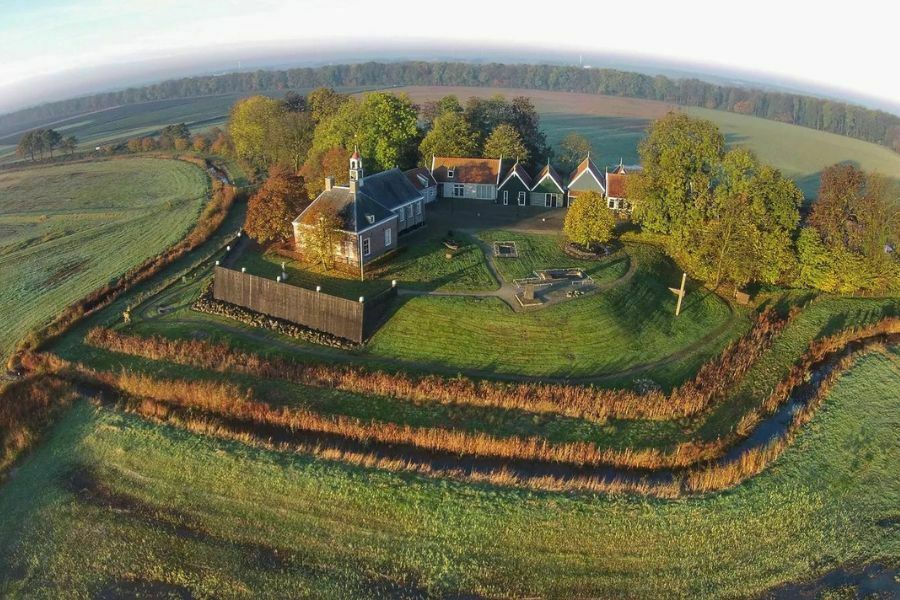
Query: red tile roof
{"points": [[615, 184], [466, 170], [415, 177]]}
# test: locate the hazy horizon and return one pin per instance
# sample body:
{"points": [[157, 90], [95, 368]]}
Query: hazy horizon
{"points": [[97, 45]]}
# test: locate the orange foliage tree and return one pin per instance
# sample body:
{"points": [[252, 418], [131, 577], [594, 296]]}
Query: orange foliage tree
{"points": [[270, 211]]}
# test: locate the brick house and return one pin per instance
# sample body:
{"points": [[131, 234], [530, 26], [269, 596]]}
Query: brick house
{"points": [[372, 212]]}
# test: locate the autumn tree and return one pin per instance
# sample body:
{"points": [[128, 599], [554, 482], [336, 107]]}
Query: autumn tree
{"points": [[324, 103], [588, 221], [680, 158], [253, 128], [294, 138], [451, 136], [433, 109], [221, 144], [747, 233], [277, 202], [170, 135], [572, 150], [333, 162], [320, 235], [485, 115], [200, 143], [29, 143], [505, 141], [852, 227]]}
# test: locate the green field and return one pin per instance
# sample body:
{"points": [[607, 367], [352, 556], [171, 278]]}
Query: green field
{"points": [[117, 505], [67, 230]]}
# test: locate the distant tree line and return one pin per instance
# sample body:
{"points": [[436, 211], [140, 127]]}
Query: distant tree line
{"points": [[826, 115], [33, 144], [178, 137]]}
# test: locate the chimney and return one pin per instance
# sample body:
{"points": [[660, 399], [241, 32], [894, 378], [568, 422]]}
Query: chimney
{"points": [[329, 183]]}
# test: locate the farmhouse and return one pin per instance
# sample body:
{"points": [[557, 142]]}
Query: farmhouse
{"points": [[372, 212], [459, 177], [515, 186]]}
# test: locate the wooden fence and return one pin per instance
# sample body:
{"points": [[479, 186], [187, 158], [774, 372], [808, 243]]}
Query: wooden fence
{"points": [[349, 319]]}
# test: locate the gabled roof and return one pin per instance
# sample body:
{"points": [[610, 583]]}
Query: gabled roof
{"points": [[517, 170], [615, 184], [354, 216], [548, 172], [391, 189], [420, 177], [466, 170], [615, 180], [587, 168]]}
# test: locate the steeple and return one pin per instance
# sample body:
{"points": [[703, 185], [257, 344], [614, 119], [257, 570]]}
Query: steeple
{"points": [[356, 168]]}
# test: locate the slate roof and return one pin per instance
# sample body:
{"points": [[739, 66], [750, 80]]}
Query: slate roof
{"points": [[353, 219], [414, 176], [391, 189], [519, 170], [548, 169], [467, 170], [587, 165]]}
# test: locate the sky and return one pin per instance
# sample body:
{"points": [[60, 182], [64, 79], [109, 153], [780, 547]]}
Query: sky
{"points": [[59, 48]]}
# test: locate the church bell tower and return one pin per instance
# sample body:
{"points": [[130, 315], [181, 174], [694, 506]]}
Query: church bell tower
{"points": [[356, 168]]}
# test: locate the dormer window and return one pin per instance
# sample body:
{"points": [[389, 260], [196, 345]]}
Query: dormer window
{"points": [[370, 219], [451, 172]]}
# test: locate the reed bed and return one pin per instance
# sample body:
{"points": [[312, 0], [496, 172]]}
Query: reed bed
{"points": [[26, 407], [230, 401]]}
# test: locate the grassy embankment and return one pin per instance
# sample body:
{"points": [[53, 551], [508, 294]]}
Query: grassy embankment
{"points": [[115, 503]]}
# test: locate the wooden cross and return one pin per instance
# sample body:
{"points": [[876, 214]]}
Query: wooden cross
{"points": [[680, 293]]}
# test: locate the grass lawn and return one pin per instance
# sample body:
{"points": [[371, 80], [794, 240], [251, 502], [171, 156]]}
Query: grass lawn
{"points": [[66, 230], [546, 252], [420, 263], [607, 332], [114, 504]]}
